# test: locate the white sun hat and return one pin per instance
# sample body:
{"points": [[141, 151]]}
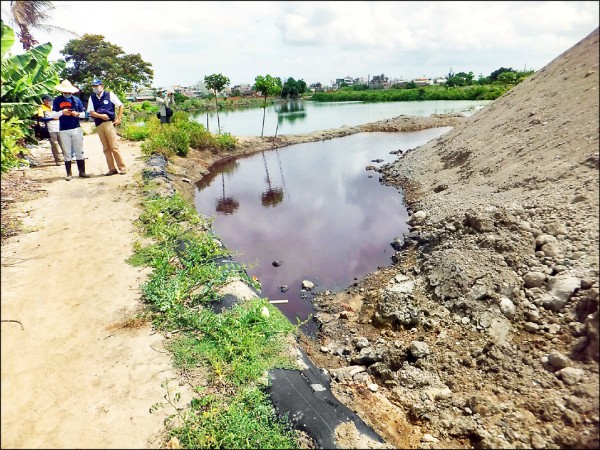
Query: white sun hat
{"points": [[66, 86]]}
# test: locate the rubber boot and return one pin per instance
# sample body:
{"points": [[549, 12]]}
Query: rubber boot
{"points": [[81, 168], [68, 167]]}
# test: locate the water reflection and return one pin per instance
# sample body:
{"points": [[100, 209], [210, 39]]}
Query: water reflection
{"points": [[226, 205], [273, 195], [300, 116], [336, 223], [291, 112]]}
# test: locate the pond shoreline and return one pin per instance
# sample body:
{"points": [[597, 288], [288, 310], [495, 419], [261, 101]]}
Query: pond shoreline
{"points": [[186, 172]]}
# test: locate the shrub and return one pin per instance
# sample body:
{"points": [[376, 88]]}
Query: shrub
{"points": [[200, 137], [227, 141], [168, 141], [12, 135], [133, 132]]}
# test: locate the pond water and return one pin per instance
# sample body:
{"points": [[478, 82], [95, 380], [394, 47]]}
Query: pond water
{"points": [[300, 117], [314, 208]]}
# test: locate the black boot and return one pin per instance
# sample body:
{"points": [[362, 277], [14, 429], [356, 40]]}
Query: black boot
{"points": [[81, 168], [68, 167]]}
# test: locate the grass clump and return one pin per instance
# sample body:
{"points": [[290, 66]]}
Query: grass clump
{"points": [[236, 348], [240, 344], [241, 420]]}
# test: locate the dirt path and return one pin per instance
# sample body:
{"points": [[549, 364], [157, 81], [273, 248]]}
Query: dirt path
{"points": [[75, 376]]}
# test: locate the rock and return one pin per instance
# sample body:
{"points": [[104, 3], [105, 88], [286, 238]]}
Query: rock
{"points": [[561, 288], [429, 438], [570, 375], [479, 221], [534, 279], [507, 307], [361, 343], [531, 327], [307, 285], [419, 349], [557, 360], [417, 218]]}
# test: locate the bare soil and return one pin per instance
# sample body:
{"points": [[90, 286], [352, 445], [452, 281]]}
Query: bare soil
{"points": [[80, 369], [482, 332]]}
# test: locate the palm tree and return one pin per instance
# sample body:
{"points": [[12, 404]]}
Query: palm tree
{"points": [[32, 14]]}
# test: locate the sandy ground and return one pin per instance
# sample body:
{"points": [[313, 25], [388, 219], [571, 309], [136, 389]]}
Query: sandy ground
{"points": [[79, 373]]}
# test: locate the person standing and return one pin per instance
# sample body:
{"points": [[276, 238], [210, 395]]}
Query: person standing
{"points": [[107, 111], [52, 126], [69, 110], [165, 101]]}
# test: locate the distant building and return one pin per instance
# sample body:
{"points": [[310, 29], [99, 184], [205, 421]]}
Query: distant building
{"points": [[380, 81], [144, 93], [423, 81], [198, 90], [243, 89], [316, 87], [400, 82], [347, 79]]}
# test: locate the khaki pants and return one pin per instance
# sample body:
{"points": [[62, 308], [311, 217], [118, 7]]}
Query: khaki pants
{"points": [[110, 146], [55, 146]]}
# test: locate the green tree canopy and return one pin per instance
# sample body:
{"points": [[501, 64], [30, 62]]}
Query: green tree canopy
{"points": [[267, 85], [460, 79], [494, 75], [292, 88], [92, 57], [216, 82]]}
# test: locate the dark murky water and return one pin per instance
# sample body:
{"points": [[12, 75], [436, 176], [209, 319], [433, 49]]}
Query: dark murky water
{"points": [[312, 207]]}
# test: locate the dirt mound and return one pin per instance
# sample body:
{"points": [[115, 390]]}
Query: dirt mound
{"points": [[484, 331]]}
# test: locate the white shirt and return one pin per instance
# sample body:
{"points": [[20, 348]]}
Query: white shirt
{"points": [[113, 98]]}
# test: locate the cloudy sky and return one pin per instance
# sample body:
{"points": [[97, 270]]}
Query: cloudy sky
{"points": [[322, 41]]}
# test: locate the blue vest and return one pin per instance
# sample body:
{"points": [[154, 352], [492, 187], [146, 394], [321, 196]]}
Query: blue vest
{"points": [[60, 103], [103, 105]]}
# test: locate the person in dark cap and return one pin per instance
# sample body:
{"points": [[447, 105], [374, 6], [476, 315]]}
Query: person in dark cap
{"points": [[107, 111], [52, 126]]}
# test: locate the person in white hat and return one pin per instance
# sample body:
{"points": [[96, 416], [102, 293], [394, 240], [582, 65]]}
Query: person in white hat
{"points": [[69, 110]]}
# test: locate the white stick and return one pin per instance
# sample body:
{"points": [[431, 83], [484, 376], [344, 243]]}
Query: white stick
{"points": [[278, 301]]}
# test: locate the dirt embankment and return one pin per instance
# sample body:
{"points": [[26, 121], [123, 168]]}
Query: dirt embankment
{"points": [[484, 331]]}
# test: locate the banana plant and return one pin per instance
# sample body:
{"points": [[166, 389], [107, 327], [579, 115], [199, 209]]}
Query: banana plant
{"points": [[26, 77]]}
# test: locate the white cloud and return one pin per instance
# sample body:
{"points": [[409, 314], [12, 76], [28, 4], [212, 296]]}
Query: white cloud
{"points": [[321, 41]]}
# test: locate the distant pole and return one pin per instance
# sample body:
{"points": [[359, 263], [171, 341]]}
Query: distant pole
{"points": [[207, 122]]}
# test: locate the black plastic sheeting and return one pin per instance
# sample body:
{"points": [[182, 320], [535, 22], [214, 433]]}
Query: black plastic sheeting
{"points": [[305, 397]]}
